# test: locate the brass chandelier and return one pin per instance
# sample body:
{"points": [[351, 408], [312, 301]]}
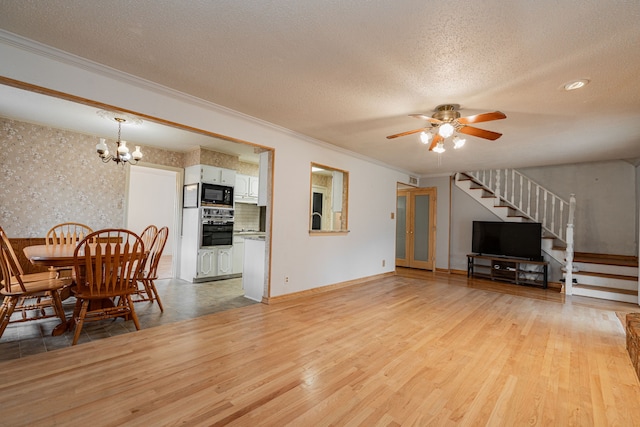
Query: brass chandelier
{"points": [[122, 154]]}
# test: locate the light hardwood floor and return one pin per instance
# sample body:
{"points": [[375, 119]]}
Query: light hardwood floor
{"points": [[418, 350]]}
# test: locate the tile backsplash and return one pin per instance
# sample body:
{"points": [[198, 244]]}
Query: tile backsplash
{"points": [[247, 217]]}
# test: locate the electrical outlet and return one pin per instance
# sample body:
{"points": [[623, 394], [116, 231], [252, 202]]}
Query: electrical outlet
{"points": [[384, 262], [286, 279], [393, 215]]}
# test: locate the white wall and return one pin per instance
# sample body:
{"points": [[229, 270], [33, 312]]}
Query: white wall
{"points": [[307, 261], [152, 200], [605, 203]]}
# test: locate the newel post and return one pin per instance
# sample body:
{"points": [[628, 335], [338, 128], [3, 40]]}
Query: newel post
{"points": [[568, 277]]}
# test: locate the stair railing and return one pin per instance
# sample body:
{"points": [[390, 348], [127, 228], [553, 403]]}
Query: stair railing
{"points": [[529, 198]]}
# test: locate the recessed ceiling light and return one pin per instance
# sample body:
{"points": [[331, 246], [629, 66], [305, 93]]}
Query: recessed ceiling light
{"points": [[576, 84]]}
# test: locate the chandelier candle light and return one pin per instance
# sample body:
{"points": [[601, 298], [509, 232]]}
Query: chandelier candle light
{"points": [[122, 154]]}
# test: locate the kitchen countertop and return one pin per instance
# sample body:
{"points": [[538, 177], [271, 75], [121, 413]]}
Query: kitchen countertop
{"points": [[248, 233], [255, 237]]}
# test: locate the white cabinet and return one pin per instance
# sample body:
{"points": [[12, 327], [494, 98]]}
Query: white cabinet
{"points": [[225, 261], [253, 187], [214, 175], [192, 174], [209, 174], [238, 254], [253, 277], [241, 189], [246, 189], [214, 262], [207, 263], [189, 256]]}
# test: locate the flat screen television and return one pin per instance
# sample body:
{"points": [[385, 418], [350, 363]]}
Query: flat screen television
{"points": [[508, 239]]}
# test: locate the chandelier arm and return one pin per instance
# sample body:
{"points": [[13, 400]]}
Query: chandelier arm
{"points": [[120, 157]]}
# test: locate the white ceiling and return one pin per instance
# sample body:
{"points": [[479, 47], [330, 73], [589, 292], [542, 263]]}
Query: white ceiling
{"points": [[32, 107], [349, 72]]}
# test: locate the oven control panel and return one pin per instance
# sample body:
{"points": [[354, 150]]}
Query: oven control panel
{"points": [[216, 215]]}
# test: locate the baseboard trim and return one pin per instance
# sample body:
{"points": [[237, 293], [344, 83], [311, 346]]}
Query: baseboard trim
{"points": [[322, 289]]}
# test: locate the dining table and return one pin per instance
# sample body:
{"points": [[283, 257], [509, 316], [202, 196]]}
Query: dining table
{"points": [[50, 255], [58, 255]]}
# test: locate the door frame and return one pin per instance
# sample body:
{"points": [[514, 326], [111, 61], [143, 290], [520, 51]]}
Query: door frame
{"points": [[177, 216], [411, 193]]}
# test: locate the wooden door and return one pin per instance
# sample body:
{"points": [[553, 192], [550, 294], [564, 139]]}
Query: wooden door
{"points": [[416, 228]]}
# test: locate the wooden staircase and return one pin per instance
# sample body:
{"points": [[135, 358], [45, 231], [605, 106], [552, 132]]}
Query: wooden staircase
{"points": [[552, 245], [610, 277]]}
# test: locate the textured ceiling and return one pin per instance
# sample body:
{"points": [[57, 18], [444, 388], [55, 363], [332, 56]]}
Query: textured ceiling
{"points": [[350, 72]]}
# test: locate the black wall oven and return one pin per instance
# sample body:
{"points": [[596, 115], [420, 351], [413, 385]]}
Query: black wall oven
{"points": [[217, 235], [216, 227]]}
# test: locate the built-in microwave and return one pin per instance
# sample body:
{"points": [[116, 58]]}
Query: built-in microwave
{"points": [[216, 195]]}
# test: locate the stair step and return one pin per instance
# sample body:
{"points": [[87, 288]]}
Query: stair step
{"points": [[622, 270], [610, 294], [606, 275], [607, 259], [605, 289], [606, 280]]}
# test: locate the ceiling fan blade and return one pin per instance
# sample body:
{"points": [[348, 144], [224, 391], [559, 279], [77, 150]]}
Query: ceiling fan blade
{"points": [[484, 117], [480, 133], [409, 132], [427, 118], [436, 138]]}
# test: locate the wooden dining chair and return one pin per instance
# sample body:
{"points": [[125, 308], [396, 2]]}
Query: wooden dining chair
{"points": [[147, 236], [18, 288], [149, 272], [67, 233], [27, 304], [107, 264]]}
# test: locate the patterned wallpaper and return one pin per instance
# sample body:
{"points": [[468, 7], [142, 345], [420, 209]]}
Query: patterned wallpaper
{"points": [[250, 169], [42, 168], [51, 176]]}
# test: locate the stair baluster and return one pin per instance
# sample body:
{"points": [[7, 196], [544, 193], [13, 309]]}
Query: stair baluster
{"points": [[568, 276]]}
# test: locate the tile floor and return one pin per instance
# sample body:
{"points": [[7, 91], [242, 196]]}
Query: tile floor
{"points": [[181, 301]]}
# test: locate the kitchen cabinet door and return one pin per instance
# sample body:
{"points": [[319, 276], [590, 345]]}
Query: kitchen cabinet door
{"points": [[210, 174], [254, 187], [242, 186], [228, 177], [207, 265], [225, 261]]}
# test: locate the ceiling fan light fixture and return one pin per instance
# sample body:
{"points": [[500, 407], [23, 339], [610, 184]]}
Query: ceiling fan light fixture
{"points": [[445, 130], [439, 148], [426, 137], [458, 142]]}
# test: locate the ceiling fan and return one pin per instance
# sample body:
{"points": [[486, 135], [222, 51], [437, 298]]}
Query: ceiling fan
{"points": [[446, 121]]}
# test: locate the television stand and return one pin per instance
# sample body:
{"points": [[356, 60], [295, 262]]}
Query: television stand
{"points": [[513, 270]]}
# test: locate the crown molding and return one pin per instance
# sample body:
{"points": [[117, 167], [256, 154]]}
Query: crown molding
{"points": [[58, 55]]}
